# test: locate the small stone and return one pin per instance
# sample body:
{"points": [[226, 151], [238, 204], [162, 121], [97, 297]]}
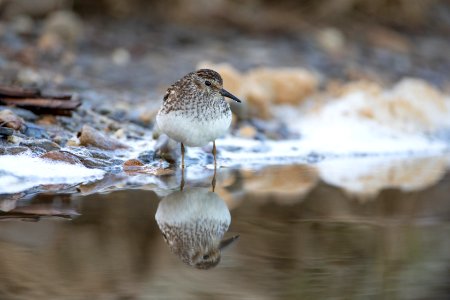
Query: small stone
{"points": [[11, 120], [5, 131], [167, 149], [94, 163], [28, 76], [46, 145], [34, 131], [146, 156], [91, 137], [62, 156], [47, 120], [73, 142], [66, 25], [21, 112], [332, 40], [13, 150], [132, 165], [147, 117], [120, 57], [14, 139], [22, 24], [247, 131], [120, 133]]}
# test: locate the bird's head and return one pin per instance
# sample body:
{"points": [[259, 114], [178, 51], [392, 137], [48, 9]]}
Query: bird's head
{"points": [[211, 82], [210, 257]]}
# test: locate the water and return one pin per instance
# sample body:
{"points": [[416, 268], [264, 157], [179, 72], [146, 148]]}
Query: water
{"points": [[299, 238]]}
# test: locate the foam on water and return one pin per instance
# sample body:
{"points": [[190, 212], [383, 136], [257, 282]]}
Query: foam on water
{"points": [[21, 172]]}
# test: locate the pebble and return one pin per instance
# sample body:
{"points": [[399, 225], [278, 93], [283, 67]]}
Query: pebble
{"points": [[35, 131], [132, 165], [13, 150], [11, 120], [5, 131], [146, 156], [37, 144], [247, 131], [66, 25], [332, 40], [62, 156], [91, 137], [121, 56]]}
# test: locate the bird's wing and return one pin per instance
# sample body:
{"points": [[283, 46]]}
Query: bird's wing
{"points": [[166, 96]]}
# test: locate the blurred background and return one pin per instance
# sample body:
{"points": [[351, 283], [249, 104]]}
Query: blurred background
{"points": [[380, 40]]}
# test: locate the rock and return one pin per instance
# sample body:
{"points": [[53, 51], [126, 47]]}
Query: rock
{"points": [[28, 76], [120, 57], [247, 131], [91, 137], [389, 39], [11, 120], [5, 131], [261, 88], [34, 131], [62, 156], [331, 40], [47, 120], [147, 116], [132, 165], [146, 156], [73, 142], [43, 144], [14, 150], [95, 163], [287, 85], [14, 139], [167, 149], [22, 24], [21, 112], [64, 25]]}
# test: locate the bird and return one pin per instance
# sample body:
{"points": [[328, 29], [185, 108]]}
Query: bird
{"points": [[194, 111], [193, 222]]}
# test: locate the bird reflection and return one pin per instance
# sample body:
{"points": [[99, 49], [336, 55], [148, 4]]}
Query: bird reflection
{"points": [[193, 222]]}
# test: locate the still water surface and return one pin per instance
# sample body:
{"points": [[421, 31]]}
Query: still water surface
{"points": [[299, 238]]}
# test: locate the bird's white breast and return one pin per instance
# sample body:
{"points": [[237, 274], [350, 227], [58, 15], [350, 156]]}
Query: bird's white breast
{"points": [[185, 207], [191, 131]]}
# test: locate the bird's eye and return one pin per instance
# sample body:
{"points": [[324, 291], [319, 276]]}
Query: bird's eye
{"points": [[205, 256], [208, 83]]}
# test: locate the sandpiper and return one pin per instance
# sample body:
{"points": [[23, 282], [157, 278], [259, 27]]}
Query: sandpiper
{"points": [[194, 110]]}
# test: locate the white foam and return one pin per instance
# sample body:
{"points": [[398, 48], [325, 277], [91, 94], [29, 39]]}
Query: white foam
{"points": [[338, 129], [21, 172]]}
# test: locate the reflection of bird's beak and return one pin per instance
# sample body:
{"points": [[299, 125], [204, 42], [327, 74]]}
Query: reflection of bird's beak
{"points": [[225, 243], [225, 93]]}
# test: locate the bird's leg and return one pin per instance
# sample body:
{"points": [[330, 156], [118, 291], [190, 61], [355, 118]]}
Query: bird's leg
{"points": [[214, 152], [182, 180], [182, 167], [182, 156], [213, 182]]}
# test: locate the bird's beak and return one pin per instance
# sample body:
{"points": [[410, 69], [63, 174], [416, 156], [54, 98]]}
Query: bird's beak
{"points": [[225, 243], [225, 93]]}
